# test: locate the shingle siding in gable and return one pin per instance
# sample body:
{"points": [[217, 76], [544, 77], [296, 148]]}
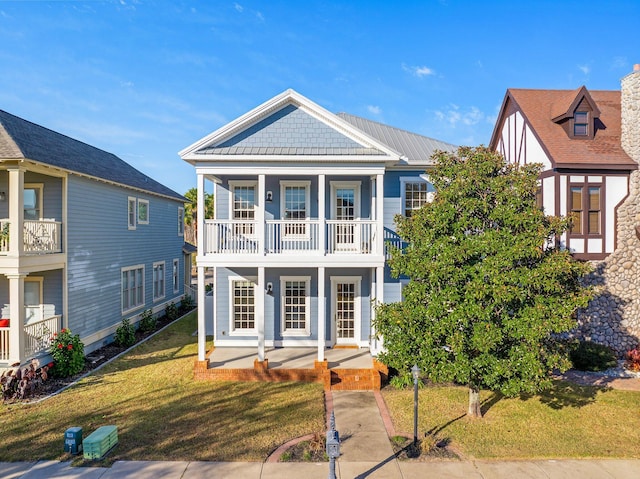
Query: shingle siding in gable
{"points": [[100, 244]]}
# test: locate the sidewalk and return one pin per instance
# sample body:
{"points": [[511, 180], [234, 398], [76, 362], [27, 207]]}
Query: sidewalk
{"points": [[366, 453]]}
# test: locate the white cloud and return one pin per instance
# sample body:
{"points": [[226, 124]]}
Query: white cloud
{"points": [[619, 62], [374, 109], [419, 71], [454, 116], [259, 16], [584, 69], [238, 7]]}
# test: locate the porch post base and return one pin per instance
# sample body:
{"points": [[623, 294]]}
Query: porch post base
{"points": [[320, 365], [260, 366]]}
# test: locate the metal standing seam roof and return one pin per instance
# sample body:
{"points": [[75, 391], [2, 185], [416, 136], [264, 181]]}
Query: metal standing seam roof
{"points": [[21, 139], [416, 148]]}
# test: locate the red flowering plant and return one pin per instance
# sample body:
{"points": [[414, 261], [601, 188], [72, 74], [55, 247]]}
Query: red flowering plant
{"points": [[68, 354], [633, 359]]}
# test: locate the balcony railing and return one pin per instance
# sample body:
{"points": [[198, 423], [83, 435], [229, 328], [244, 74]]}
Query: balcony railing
{"points": [[290, 236], [39, 237], [37, 337]]}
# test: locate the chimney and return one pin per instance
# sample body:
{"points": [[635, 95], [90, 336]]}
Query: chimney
{"points": [[630, 113]]}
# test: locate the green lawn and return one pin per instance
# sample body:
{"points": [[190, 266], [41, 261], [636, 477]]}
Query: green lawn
{"points": [[162, 413], [569, 421]]}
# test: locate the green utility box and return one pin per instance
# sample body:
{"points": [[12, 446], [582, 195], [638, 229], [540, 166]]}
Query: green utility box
{"points": [[73, 440], [100, 441]]}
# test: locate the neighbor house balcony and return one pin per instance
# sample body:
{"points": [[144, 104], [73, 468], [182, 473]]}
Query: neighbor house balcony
{"points": [[301, 237], [37, 333], [39, 237]]}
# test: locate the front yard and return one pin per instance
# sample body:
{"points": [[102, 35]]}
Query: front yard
{"points": [[569, 421], [162, 413]]}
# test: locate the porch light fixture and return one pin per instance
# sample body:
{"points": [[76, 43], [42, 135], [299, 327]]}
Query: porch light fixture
{"points": [[269, 196], [2, 196], [269, 287]]}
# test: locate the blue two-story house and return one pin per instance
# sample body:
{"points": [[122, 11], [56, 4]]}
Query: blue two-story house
{"points": [[305, 201], [86, 240]]}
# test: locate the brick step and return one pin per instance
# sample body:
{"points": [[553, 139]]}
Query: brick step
{"points": [[355, 380]]}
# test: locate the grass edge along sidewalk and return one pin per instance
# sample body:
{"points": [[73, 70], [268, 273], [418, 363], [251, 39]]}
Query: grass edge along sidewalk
{"points": [[162, 413]]}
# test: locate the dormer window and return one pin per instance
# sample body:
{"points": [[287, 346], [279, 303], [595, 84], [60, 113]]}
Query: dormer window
{"points": [[580, 123]]}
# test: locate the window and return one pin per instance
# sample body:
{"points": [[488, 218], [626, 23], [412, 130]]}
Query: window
{"points": [[416, 192], [175, 275], [32, 197], [180, 221], [243, 204], [132, 287], [585, 203], [243, 305], [295, 305], [131, 212], [158, 280], [580, 123], [294, 207], [143, 212]]}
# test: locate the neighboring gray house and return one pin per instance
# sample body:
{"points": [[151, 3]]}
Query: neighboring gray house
{"points": [[85, 241], [304, 203]]}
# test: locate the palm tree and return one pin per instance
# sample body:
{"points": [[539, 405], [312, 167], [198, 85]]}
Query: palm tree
{"points": [[191, 213]]}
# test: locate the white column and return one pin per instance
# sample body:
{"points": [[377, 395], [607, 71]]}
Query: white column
{"points": [[202, 333], [16, 324], [260, 312], [200, 215], [16, 210], [260, 205], [379, 248], [322, 315], [322, 227], [379, 344], [214, 314]]}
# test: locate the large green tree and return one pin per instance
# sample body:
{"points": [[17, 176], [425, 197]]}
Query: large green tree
{"points": [[489, 289]]}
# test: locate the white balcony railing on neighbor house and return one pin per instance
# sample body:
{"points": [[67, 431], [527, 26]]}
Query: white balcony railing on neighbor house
{"points": [[40, 237], [37, 337], [289, 236]]}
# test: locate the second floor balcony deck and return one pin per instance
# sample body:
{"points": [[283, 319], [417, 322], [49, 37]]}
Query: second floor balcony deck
{"points": [[296, 237]]}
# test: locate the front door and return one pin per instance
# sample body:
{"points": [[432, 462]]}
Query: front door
{"points": [[346, 309]]}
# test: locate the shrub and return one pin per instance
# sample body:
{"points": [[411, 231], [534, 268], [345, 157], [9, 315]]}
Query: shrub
{"points": [[148, 321], [125, 334], [187, 303], [171, 311], [590, 356], [633, 359], [68, 354]]}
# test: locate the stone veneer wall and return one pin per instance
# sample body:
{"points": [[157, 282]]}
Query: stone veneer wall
{"points": [[613, 316]]}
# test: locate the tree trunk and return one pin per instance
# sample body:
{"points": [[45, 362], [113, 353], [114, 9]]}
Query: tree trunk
{"points": [[474, 402]]}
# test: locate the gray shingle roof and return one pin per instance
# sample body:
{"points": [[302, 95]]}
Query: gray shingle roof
{"points": [[22, 139], [416, 148]]}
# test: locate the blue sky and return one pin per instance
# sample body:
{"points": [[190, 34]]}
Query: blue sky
{"points": [[144, 79]]}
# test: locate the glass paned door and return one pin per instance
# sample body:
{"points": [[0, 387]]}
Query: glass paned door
{"points": [[345, 212], [345, 312]]}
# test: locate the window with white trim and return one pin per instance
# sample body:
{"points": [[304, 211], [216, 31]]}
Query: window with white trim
{"points": [[131, 212], [294, 204], [416, 192], [158, 280], [243, 204], [32, 198], [132, 287], [175, 275], [243, 305], [180, 221], [295, 305], [143, 212]]}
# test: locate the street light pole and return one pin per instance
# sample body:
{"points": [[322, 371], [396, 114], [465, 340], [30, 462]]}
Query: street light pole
{"points": [[415, 372]]}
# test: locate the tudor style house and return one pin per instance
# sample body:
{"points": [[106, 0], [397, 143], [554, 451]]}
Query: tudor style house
{"points": [[304, 202], [588, 142], [86, 240]]}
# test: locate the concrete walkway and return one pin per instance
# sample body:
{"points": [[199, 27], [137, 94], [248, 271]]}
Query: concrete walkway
{"points": [[366, 453]]}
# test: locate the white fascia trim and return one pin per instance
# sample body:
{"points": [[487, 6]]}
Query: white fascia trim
{"points": [[277, 102], [291, 169]]}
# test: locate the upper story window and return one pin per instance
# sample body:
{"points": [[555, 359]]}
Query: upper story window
{"points": [[243, 204], [580, 123], [416, 192], [32, 197], [585, 202], [180, 221], [131, 212], [143, 212], [295, 206]]}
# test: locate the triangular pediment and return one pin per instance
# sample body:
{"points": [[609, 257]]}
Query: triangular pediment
{"points": [[565, 107], [288, 125]]}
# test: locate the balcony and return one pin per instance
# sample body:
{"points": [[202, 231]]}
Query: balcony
{"points": [[37, 335], [357, 237], [39, 237]]}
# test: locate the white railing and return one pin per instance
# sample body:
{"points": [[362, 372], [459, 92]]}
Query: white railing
{"points": [[4, 344], [39, 237], [37, 337], [355, 236], [192, 291], [288, 236]]}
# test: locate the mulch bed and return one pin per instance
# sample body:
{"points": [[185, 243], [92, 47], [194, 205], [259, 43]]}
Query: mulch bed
{"points": [[437, 449]]}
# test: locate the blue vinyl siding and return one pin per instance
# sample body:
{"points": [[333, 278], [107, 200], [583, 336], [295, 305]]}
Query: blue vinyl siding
{"points": [[100, 244]]}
